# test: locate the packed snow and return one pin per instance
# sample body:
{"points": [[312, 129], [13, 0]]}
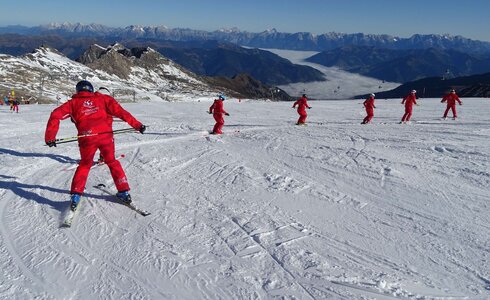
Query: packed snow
{"points": [[268, 210]]}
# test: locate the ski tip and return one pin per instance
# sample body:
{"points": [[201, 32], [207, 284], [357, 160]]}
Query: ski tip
{"points": [[144, 214], [100, 185]]}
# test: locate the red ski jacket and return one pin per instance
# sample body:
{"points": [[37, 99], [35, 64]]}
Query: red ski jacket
{"points": [[451, 99], [302, 104], [217, 107], [91, 112], [410, 100], [369, 103]]}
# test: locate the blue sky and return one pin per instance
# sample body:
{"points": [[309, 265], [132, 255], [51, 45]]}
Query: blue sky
{"points": [[401, 18]]}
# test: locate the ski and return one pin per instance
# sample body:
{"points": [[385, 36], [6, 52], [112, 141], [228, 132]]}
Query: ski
{"points": [[131, 206], [70, 216]]}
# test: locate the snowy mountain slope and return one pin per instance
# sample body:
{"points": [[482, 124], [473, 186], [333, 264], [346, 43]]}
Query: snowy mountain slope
{"points": [[334, 210], [339, 84], [46, 74]]}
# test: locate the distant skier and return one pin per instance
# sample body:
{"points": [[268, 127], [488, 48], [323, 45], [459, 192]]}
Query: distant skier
{"points": [[451, 99], [218, 111], [89, 111], [302, 104], [369, 105], [409, 101], [15, 105]]}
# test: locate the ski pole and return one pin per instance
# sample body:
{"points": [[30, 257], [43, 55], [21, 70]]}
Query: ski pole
{"points": [[75, 138]]}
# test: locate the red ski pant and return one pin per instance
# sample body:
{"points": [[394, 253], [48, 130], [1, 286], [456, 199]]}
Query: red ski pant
{"points": [[220, 121], [88, 147], [302, 116], [369, 117], [452, 108], [408, 114]]}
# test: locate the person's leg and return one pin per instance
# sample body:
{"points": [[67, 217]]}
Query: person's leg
{"points": [[87, 152], [370, 115], [107, 150], [453, 108], [220, 121], [408, 113], [446, 111], [302, 117]]}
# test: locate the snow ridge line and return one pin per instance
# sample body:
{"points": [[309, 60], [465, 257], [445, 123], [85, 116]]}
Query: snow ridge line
{"points": [[108, 261], [274, 258], [38, 283]]}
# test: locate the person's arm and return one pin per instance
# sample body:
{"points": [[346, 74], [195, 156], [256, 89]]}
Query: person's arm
{"points": [[115, 109], [53, 124], [306, 103]]}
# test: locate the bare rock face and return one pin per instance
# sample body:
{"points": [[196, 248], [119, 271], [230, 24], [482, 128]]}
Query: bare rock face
{"points": [[148, 64], [115, 60]]}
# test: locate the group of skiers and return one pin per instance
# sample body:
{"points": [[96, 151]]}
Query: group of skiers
{"points": [[92, 114], [451, 98], [12, 102]]}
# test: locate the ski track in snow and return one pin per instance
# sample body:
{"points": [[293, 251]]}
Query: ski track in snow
{"points": [[333, 210]]}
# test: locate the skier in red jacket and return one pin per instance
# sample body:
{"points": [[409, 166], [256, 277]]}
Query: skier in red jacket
{"points": [[90, 112], [409, 101], [302, 106], [451, 99], [218, 111], [369, 105]]}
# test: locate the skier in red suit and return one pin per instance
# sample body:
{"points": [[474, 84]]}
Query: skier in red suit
{"points": [[451, 99], [91, 114], [218, 111], [409, 101], [302, 106], [369, 105]]}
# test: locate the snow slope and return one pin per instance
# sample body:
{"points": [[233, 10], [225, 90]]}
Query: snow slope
{"points": [[339, 84], [334, 210]]}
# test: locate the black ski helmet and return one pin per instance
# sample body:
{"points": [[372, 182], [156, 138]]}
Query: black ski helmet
{"points": [[84, 85]]}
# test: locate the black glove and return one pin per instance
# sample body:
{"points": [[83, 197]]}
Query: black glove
{"points": [[142, 128], [51, 143], [209, 112], [227, 114]]}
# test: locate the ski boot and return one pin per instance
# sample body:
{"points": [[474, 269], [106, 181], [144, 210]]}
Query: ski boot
{"points": [[75, 199], [124, 197]]}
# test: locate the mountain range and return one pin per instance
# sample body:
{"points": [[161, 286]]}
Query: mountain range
{"points": [[131, 74], [435, 87], [404, 65], [267, 39], [207, 58], [230, 60]]}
